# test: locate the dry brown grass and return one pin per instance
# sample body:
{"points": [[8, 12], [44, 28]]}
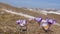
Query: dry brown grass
{"points": [[9, 26], [8, 23]]}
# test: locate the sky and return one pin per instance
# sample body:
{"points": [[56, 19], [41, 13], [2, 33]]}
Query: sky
{"points": [[34, 3]]}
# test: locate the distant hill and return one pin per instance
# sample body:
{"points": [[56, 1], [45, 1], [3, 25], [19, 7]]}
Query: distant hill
{"points": [[33, 12]]}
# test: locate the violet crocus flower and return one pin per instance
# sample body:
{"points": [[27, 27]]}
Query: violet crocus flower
{"points": [[38, 19], [18, 21], [50, 20]]}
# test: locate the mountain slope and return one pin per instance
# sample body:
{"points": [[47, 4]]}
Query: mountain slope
{"points": [[8, 24]]}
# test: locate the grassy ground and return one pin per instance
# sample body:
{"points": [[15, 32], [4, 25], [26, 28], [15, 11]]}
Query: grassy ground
{"points": [[8, 23], [9, 26]]}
